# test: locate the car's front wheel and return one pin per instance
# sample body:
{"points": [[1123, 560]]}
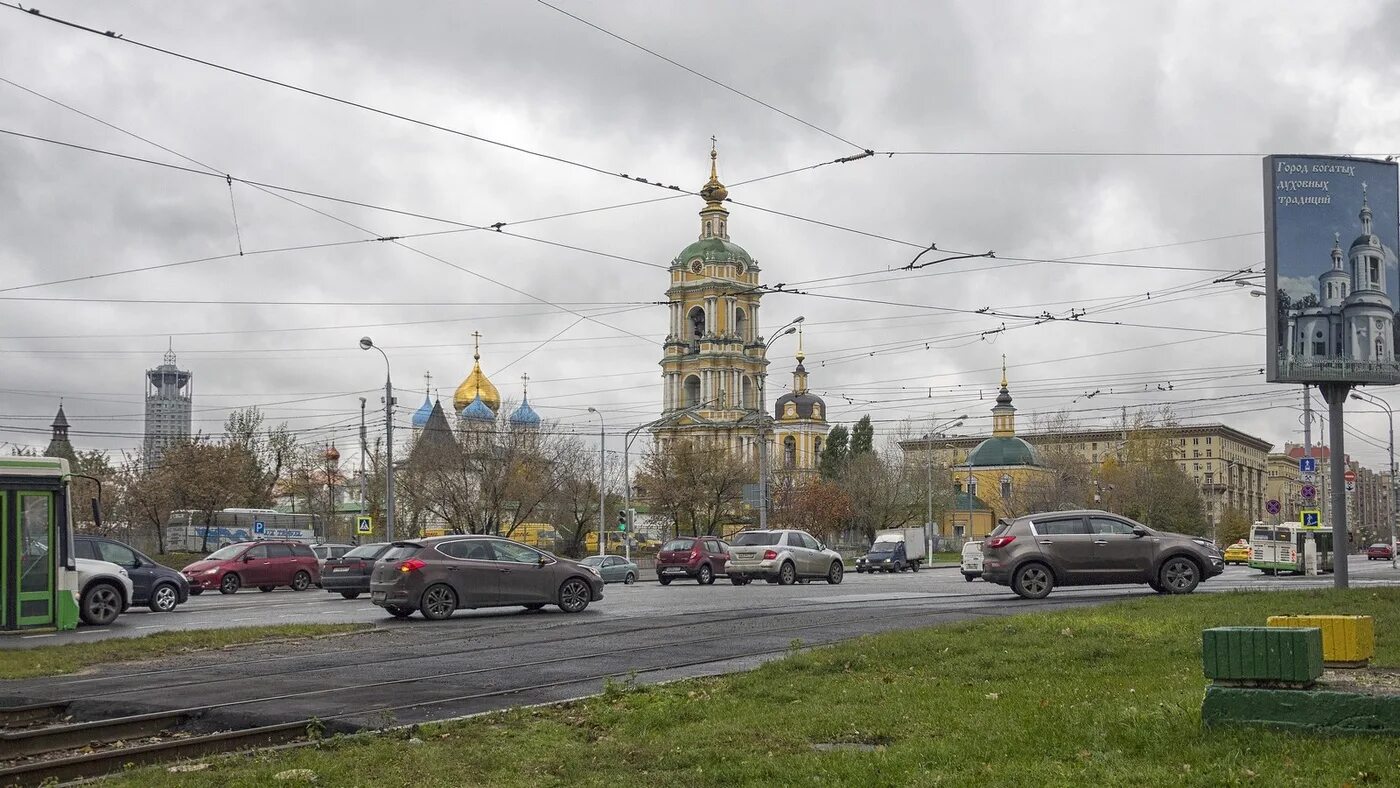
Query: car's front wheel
{"points": [[1179, 575], [101, 604], [706, 575], [1033, 581], [301, 581], [439, 602], [574, 596], [787, 574], [835, 574], [164, 598], [230, 584]]}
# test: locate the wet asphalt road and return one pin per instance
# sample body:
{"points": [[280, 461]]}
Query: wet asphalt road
{"points": [[416, 670]]}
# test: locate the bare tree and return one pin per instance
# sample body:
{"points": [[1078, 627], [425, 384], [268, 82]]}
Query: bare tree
{"points": [[699, 485]]}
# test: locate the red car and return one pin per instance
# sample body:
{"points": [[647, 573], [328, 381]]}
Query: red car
{"points": [[265, 564], [700, 557], [1378, 552]]}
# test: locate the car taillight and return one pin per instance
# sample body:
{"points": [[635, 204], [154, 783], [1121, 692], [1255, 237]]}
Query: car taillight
{"points": [[359, 564], [769, 555], [412, 565], [1000, 541]]}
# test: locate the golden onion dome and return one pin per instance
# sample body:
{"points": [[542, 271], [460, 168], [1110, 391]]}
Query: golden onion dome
{"points": [[476, 385], [713, 191]]}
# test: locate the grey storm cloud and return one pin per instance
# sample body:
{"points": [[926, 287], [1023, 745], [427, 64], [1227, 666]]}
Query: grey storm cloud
{"points": [[570, 299]]}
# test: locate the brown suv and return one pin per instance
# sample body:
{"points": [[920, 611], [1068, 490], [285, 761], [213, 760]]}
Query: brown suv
{"points": [[700, 557], [1035, 553]]}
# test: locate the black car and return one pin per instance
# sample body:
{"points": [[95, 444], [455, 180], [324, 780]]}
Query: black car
{"points": [[884, 557], [348, 575], [156, 586]]}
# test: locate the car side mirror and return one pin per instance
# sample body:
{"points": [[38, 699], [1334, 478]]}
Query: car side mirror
{"points": [[543, 561], [1139, 531], [247, 558]]}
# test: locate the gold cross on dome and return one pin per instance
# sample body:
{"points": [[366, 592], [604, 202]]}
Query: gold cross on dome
{"points": [[476, 345], [525, 383]]}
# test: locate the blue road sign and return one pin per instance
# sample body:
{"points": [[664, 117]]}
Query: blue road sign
{"points": [[1311, 518], [1307, 464], [259, 527], [1273, 507], [1309, 492]]}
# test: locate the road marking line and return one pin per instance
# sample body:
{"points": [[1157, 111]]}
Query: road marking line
{"points": [[152, 626], [31, 637]]}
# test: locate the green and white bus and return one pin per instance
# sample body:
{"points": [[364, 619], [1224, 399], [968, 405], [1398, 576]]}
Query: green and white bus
{"points": [[1282, 548]]}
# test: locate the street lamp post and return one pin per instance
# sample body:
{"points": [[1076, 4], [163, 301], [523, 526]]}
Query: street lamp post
{"points": [[602, 472], [367, 344], [1390, 499], [763, 424]]}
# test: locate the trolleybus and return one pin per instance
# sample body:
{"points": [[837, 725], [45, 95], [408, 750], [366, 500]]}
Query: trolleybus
{"points": [[38, 571], [1283, 547]]}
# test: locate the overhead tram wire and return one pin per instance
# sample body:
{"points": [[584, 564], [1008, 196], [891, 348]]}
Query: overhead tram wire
{"points": [[705, 77]]}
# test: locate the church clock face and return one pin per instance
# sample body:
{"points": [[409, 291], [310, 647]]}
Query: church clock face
{"points": [[741, 268], [696, 266]]}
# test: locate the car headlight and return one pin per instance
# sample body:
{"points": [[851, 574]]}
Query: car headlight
{"points": [[594, 570], [123, 572], [213, 571]]}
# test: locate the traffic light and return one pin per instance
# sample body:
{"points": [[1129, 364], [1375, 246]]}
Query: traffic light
{"points": [[622, 520]]}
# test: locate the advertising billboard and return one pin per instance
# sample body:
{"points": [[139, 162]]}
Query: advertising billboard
{"points": [[1330, 255]]}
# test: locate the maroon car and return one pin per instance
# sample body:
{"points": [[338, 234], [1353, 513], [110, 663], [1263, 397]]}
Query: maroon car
{"points": [[700, 557], [264, 564], [1378, 552]]}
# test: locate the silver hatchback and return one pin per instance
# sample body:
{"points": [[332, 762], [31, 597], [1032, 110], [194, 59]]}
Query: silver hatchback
{"points": [[1035, 553], [781, 557]]}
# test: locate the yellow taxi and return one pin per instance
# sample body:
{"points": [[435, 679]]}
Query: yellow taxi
{"points": [[1237, 553]]}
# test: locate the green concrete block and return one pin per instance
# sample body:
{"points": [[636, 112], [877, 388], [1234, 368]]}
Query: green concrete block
{"points": [[1262, 654], [1318, 711]]}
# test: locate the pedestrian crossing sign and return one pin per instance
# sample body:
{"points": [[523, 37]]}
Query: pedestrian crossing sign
{"points": [[364, 524], [1310, 518]]}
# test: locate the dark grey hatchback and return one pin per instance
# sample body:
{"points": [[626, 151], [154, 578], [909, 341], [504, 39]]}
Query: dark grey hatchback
{"points": [[1035, 553], [446, 573]]}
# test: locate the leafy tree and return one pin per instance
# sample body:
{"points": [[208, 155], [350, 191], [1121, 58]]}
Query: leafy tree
{"points": [[699, 486], [1149, 486], [834, 451], [819, 506], [862, 437], [1234, 525]]}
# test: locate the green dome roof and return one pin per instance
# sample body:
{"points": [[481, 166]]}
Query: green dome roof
{"points": [[1003, 451], [714, 250]]}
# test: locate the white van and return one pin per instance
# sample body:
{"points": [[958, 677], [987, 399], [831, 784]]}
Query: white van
{"points": [[972, 560]]}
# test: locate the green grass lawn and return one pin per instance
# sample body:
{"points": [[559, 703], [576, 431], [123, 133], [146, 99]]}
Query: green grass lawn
{"points": [[57, 660], [1108, 696]]}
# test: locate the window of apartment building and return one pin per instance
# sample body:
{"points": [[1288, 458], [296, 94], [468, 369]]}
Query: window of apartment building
{"points": [[1195, 441], [1196, 453], [1207, 440], [1207, 452], [1096, 445]]}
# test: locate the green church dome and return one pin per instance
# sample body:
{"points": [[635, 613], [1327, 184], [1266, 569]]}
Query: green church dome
{"points": [[713, 250], [1003, 451]]}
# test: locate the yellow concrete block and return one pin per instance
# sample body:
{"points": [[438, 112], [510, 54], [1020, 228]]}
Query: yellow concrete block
{"points": [[1344, 638]]}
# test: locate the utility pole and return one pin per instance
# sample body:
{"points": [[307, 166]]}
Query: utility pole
{"points": [[364, 449], [602, 474], [1336, 396], [367, 344]]}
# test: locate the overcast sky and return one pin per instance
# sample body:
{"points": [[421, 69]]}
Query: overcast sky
{"points": [[968, 81]]}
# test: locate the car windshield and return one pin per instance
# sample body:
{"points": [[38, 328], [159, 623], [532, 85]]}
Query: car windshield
{"points": [[365, 551], [1378, 546], [758, 538], [882, 548], [678, 544], [225, 553], [592, 560]]}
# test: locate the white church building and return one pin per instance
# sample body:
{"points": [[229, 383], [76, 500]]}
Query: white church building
{"points": [[1354, 317]]}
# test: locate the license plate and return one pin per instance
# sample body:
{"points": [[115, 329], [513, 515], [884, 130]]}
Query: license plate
{"points": [[377, 596], [340, 569], [671, 570]]}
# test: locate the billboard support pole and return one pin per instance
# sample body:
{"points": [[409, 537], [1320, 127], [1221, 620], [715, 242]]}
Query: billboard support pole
{"points": [[1336, 396]]}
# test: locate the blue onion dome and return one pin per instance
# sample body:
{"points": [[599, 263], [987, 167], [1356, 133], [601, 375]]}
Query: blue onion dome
{"points": [[525, 416], [478, 411], [420, 416]]}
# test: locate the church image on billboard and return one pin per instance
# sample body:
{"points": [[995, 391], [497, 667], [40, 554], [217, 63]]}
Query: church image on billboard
{"points": [[1333, 284]]}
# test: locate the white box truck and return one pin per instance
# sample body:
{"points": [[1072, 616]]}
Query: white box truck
{"points": [[895, 550]]}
